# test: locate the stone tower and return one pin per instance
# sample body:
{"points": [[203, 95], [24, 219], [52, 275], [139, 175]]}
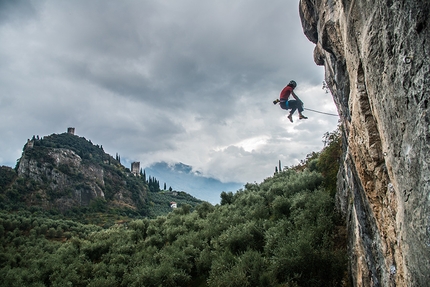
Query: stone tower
{"points": [[135, 167], [71, 131]]}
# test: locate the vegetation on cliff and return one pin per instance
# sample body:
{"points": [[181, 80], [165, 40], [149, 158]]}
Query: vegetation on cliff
{"points": [[281, 232]]}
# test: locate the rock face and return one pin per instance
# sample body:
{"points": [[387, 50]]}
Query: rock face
{"points": [[376, 56], [59, 171]]}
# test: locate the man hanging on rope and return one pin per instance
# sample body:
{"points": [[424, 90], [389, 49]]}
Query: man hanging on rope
{"points": [[286, 104]]}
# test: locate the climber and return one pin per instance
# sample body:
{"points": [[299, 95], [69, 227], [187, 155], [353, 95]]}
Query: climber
{"points": [[286, 104]]}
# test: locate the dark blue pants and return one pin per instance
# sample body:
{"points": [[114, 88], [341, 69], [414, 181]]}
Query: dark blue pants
{"points": [[293, 105]]}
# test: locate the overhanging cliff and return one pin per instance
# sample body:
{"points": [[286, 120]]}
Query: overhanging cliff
{"points": [[376, 59]]}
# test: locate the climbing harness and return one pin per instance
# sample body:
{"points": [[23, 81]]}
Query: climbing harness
{"points": [[335, 115]]}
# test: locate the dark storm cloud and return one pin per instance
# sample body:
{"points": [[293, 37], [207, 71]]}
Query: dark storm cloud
{"points": [[16, 11]]}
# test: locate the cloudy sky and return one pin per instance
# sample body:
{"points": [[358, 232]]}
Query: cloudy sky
{"points": [[186, 81]]}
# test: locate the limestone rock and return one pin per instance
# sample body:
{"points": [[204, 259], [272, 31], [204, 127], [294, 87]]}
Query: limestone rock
{"points": [[376, 56]]}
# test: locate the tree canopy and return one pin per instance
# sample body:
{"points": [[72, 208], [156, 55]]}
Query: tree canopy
{"points": [[281, 232]]}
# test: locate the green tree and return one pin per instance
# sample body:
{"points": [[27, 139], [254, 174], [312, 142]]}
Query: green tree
{"points": [[328, 161]]}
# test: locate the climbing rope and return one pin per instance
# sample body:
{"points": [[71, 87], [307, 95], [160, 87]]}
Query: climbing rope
{"points": [[335, 115]]}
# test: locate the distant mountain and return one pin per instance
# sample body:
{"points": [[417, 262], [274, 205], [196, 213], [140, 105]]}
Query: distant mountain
{"points": [[180, 176]]}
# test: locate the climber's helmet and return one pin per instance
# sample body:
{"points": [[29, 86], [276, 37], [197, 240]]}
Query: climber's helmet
{"points": [[293, 84]]}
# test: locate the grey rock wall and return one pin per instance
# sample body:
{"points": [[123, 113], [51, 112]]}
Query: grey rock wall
{"points": [[61, 180], [61, 169], [376, 59]]}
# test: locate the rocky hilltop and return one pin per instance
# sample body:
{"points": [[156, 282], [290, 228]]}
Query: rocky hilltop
{"points": [[376, 56], [64, 171]]}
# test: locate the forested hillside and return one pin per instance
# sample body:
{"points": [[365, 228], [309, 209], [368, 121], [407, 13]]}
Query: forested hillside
{"points": [[281, 232]]}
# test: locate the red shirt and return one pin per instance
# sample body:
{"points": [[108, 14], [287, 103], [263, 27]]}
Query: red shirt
{"points": [[286, 92]]}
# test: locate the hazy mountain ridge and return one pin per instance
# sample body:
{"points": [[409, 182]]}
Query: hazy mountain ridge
{"points": [[182, 177]]}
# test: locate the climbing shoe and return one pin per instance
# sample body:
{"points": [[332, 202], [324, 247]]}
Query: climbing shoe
{"points": [[302, 117], [290, 117]]}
